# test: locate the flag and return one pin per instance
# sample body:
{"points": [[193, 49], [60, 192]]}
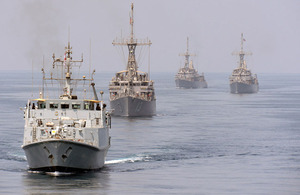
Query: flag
{"points": [[65, 59]]}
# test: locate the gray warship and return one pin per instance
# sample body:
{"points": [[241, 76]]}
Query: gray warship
{"points": [[132, 91], [188, 77], [66, 134], [242, 80]]}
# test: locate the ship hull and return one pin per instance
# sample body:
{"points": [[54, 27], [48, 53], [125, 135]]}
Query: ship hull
{"points": [[190, 84], [129, 106], [239, 88], [64, 156]]}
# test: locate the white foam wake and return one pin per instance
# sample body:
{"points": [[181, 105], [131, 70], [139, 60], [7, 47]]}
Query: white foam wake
{"points": [[54, 174], [58, 174], [126, 160]]}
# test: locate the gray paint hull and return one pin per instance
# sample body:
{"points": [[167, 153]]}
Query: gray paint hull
{"points": [[65, 156], [190, 84], [129, 106], [243, 88]]}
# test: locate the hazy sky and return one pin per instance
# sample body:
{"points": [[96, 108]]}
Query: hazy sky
{"points": [[31, 29]]}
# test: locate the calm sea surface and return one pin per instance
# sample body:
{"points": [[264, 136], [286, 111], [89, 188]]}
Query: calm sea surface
{"points": [[203, 141]]}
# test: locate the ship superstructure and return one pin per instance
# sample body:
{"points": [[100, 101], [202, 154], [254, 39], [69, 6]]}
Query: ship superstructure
{"points": [[131, 91], [188, 76], [66, 134], [242, 80]]}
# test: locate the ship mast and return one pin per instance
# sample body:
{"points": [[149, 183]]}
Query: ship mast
{"points": [[131, 24], [187, 54], [241, 53], [131, 65], [68, 89], [67, 64], [131, 44]]}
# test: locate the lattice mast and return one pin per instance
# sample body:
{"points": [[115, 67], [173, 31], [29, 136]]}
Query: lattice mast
{"points": [[241, 53], [131, 43], [187, 54]]}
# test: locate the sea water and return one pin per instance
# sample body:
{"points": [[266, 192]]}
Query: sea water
{"points": [[202, 141]]}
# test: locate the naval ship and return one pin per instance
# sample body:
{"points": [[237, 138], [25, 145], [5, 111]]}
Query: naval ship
{"points": [[242, 80], [66, 134], [188, 77], [132, 91]]}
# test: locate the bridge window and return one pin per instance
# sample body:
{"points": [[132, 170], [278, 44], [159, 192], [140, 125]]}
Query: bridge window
{"points": [[52, 105], [64, 106], [41, 105], [86, 106], [89, 106], [75, 106]]}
